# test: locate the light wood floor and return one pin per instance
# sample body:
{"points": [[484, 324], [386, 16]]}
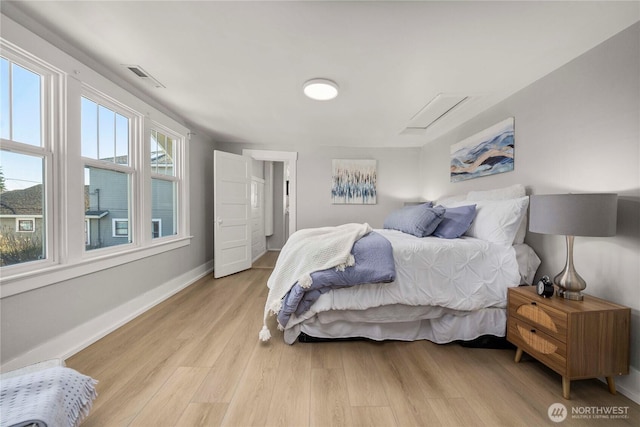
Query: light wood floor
{"points": [[195, 360]]}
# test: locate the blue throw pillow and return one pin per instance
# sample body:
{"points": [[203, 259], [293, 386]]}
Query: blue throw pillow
{"points": [[456, 222], [419, 220]]}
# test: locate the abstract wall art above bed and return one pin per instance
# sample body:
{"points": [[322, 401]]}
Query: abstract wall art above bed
{"points": [[354, 182], [486, 153]]}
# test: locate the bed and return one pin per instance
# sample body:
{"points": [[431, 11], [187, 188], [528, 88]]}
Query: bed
{"points": [[451, 265]]}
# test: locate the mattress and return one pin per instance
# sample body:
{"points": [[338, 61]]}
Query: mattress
{"points": [[458, 284]]}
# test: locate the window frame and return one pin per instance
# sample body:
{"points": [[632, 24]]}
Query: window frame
{"points": [[114, 227], [51, 87], [178, 178], [131, 169], [32, 220], [65, 82]]}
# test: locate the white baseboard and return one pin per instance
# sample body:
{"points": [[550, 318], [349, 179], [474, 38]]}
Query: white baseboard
{"points": [[258, 256], [80, 337], [629, 385]]}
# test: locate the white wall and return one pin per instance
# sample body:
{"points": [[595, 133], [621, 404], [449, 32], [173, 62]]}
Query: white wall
{"points": [[398, 169], [577, 130], [57, 320]]}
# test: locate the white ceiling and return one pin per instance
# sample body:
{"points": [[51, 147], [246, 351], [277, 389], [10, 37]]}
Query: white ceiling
{"points": [[236, 69]]}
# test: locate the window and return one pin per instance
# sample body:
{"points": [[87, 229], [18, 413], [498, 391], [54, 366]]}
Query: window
{"points": [[88, 180], [108, 175], [26, 225], [120, 227], [164, 179], [162, 153], [156, 228], [105, 133], [21, 104], [25, 156]]}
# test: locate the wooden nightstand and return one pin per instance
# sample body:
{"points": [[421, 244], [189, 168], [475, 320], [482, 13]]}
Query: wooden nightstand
{"points": [[577, 339]]}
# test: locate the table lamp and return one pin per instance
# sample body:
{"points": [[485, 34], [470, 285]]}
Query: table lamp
{"points": [[573, 215]]}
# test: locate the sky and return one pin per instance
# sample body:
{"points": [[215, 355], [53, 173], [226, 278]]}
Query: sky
{"points": [[20, 120], [105, 133]]}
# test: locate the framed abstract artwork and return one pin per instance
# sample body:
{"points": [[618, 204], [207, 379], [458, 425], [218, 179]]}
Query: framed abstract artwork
{"points": [[486, 153], [354, 182]]}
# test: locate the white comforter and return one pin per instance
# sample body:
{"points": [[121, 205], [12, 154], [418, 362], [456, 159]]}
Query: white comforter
{"points": [[461, 274]]}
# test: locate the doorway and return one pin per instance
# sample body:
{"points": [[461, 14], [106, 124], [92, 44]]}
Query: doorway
{"points": [[277, 178], [289, 159]]}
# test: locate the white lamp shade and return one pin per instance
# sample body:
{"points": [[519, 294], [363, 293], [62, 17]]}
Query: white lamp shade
{"points": [[574, 214]]}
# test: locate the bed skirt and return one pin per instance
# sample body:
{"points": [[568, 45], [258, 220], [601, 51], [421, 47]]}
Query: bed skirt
{"points": [[435, 324]]}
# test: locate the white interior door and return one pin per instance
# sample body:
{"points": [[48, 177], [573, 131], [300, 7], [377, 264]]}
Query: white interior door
{"points": [[231, 213]]}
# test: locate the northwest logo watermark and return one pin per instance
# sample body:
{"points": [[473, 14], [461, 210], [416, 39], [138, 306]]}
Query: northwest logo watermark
{"points": [[557, 412]]}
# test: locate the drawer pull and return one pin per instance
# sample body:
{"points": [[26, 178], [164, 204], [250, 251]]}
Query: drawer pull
{"points": [[533, 331], [533, 303]]}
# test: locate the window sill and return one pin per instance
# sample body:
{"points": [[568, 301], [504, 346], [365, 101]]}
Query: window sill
{"points": [[28, 281]]}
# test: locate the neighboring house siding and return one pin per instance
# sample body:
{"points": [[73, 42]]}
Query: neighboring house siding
{"points": [[18, 245], [163, 195], [105, 195], [9, 223]]}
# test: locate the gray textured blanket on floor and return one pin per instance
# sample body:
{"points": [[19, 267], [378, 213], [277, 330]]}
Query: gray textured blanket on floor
{"points": [[373, 264], [52, 397]]}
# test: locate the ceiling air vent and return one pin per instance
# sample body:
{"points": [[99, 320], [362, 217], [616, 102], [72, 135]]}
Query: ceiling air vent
{"points": [[143, 75], [435, 110]]}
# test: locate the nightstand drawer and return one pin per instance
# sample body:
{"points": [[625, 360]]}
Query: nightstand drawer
{"points": [[539, 315], [537, 343]]}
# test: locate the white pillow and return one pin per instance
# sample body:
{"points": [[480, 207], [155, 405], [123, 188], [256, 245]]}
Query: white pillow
{"points": [[448, 200], [497, 221], [512, 192]]}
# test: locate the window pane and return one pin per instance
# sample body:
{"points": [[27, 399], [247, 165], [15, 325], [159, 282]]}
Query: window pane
{"points": [[120, 228], [105, 133], [154, 151], [21, 195], [106, 198], [122, 140], [26, 225], [89, 131], [169, 155], [163, 207], [5, 117], [162, 154], [25, 108], [156, 228]]}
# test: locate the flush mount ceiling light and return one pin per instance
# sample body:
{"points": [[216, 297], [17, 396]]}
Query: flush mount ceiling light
{"points": [[320, 89]]}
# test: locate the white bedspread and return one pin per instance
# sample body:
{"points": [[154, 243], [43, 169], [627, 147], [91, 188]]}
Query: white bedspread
{"points": [[464, 274]]}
